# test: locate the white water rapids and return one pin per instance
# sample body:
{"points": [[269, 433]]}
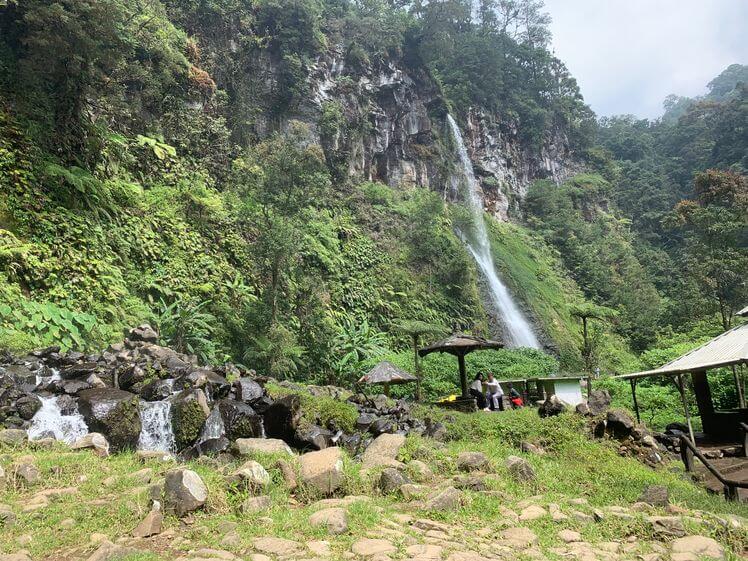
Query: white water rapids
{"points": [[49, 421], [517, 329], [156, 433]]}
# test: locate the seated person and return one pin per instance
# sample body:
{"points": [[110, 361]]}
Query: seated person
{"points": [[476, 390], [515, 397], [494, 394]]}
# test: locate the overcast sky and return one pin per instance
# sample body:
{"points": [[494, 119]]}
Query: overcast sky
{"points": [[628, 55]]}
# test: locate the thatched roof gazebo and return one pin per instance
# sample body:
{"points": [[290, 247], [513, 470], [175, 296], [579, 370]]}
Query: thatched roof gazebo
{"points": [[460, 345], [386, 373]]}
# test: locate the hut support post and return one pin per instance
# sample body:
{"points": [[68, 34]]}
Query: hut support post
{"points": [[739, 386], [636, 403], [463, 375], [682, 390]]}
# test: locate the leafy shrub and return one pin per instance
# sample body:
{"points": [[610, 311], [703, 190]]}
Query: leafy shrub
{"points": [[28, 323]]}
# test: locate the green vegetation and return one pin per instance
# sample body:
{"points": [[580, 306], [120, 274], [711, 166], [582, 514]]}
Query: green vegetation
{"points": [[111, 499], [147, 174]]}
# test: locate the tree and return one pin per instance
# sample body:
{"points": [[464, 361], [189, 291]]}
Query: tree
{"points": [[587, 312], [415, 330], [715, 225]]}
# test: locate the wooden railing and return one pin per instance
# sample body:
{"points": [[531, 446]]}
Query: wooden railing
{"points": [[688, 451]]}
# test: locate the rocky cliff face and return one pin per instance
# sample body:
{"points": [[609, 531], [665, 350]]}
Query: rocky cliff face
{"points": [[388, 123]]}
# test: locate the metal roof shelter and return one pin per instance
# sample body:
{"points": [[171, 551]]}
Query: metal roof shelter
{"points": [[459, 345], [727, 350], [743, 312], [386, 373]]}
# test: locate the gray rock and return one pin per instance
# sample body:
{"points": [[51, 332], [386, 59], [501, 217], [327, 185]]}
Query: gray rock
{"points": [[144, 333], [551, 407], [113, 413], [391, 480], [95, 441], [667, 526], [151, 524], [383, 450], [240, 420], [13, 437], [619, 423], [250, 475], [335, 520], [472, 461], [7, 516], [520, 469], [323, 470], [189, 411], [254, 505], [598, 402], [530, 448], [445, 500], [184, 492], [251, 446], [655, 495]]}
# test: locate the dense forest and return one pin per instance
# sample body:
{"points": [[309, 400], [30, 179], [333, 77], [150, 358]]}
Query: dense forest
{"points": [[197, 164]]}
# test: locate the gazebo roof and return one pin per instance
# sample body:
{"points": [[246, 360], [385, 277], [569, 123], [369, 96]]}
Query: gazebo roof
{"points": [[743, 312], [387, 373], [460, 344], [725, 350]]}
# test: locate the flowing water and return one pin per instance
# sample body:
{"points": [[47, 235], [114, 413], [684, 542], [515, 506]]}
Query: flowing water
{"points": [[517, 329], [156, 433], [49, 421]]}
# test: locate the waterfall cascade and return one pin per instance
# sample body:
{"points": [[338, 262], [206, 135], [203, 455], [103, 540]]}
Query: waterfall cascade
{"points": [[156, 433], [517, 328], [49, 421]]}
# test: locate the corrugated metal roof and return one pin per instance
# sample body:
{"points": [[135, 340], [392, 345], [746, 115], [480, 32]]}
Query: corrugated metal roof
{"points": [[727, 349], [387, 373], [743, 312]]}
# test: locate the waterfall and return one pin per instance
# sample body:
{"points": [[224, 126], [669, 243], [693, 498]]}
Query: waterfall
{"points": [[517, 329], [49, 421], [156, 433], [213, 427]]}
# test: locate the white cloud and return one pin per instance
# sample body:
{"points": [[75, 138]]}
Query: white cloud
{"points": [[628, 55]]}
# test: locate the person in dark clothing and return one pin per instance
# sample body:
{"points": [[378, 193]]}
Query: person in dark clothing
{"points": [[515, 397], [476, 390]]}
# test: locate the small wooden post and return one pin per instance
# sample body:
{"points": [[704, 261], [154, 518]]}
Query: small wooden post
{"points": [[731, 493], [636, 403], [463, 375], [682, 390], [739, 387], [686, 455]]}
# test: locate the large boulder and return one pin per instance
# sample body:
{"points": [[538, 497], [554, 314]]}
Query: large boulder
{"points": [[251, 446], [114, 413], [94, 441], [313, 437], [551, 407], [323, 470], [184, 492], [157, 390], [240, 420], [692, 548], [282, 418], [247, 390], [383, 450], [189, 411], [598, 402], [619, 424], [144, 333]]}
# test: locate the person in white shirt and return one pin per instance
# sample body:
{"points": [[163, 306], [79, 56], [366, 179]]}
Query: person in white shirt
{"points": [[476, 390], [494, 393]]}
